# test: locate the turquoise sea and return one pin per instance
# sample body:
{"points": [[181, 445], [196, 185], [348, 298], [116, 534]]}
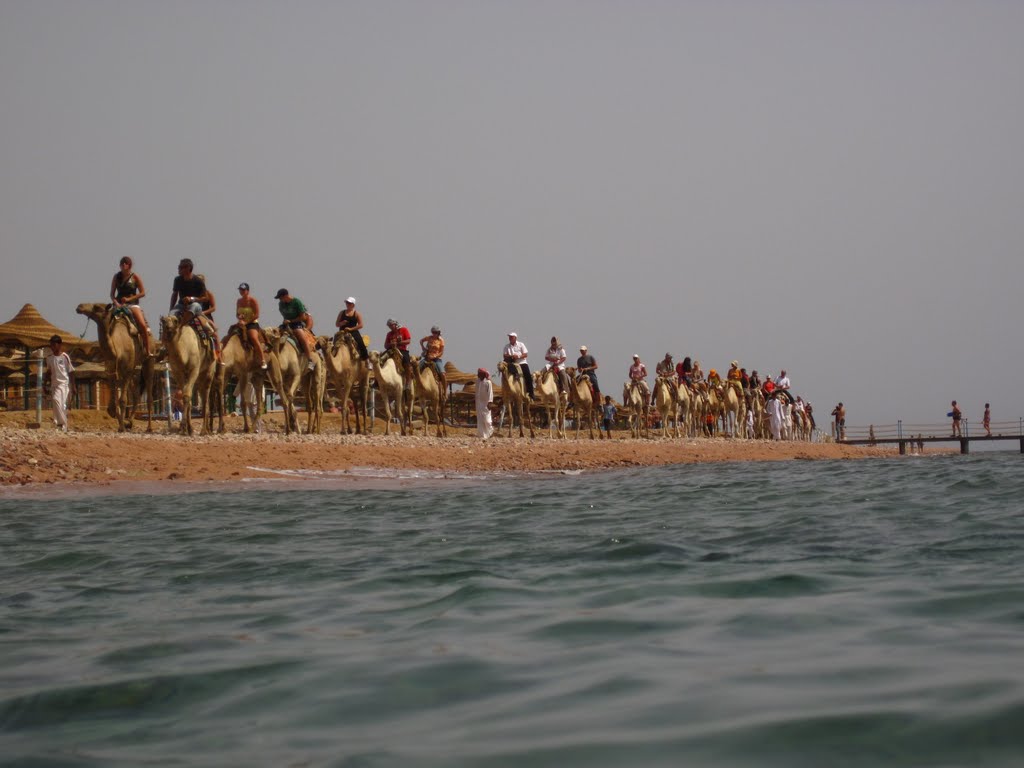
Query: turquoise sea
{"points": [[856, 613]]}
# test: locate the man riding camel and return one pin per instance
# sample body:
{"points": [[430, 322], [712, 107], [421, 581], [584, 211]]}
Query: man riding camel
{"points": [[298, 321], [638, 377], [187, 297], [666, 370]]}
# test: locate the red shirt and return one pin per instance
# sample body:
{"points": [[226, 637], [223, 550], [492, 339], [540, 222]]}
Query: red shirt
{"points": [[399, 338]]}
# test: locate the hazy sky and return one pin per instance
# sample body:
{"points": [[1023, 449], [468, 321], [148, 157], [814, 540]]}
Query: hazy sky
{"points": [[832, 187]]}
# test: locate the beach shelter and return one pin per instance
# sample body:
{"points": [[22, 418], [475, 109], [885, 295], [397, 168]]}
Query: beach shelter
{"points": [[30, 330]]}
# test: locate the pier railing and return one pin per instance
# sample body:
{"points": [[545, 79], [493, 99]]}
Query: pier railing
{"points": [[902, 433]]}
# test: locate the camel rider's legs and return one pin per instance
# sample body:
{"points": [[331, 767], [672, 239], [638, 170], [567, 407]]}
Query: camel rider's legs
{"points": [[309, 349], [211, 331], [528, 380], [563, 380], [357, 336], [252, 330], [143, 326]]}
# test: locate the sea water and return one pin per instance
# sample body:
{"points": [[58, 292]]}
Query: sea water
{"points": [[820, 613]]}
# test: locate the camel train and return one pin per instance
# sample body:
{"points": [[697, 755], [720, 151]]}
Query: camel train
{"points": [[682, 411]]}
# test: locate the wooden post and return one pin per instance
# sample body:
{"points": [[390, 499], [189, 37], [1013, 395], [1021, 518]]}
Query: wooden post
{"points": [[903, 447], [965, 445]]}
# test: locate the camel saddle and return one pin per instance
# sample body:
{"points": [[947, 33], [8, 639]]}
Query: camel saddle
{"points": [[344, 337], [122, 314], [239, 330]]}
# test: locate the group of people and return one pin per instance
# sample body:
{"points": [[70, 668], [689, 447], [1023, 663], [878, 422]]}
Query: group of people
{"points": [[957, 415], [191, 299]]}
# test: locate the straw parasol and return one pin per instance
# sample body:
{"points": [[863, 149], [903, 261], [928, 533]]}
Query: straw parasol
{"points": [[30, 330]]}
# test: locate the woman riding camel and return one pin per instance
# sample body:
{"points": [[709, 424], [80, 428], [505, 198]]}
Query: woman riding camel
{"points": [[125, 291], [247, 310], [350, 321]]}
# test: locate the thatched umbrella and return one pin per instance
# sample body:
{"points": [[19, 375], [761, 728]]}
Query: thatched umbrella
{"points": [[30, 330]]}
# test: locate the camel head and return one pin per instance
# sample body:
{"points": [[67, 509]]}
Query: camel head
{"points": [[375, 358], [92, 310], [169, 325], [273, 335], [503, 368]]}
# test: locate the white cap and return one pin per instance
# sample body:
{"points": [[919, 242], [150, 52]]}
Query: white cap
{"points": [[350, 300], [513, 333], [583, 347], [636, 357]]}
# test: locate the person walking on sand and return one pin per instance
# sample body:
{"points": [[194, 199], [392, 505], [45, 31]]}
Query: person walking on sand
{"points": [[60, 377], [956, 415], [986, 421], [484, 398], [608, 412]]}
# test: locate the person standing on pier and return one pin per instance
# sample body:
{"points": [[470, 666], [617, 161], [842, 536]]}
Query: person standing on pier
{"points": [[839, 412], [986, 421], [956, 414]]}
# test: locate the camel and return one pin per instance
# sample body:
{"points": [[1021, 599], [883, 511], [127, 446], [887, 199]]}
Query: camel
{"points": [[634, 398], [192, 366], [431, 395], [387, 371], [666, 402], [289, 368], [686, 410], [123, 352], [513, 393], [545, 386], [241, 363], [351, 377], [713, 408], [733, 411], [581, 398]]}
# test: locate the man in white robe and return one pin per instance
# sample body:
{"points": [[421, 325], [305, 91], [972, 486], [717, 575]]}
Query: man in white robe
{"points": [[59, 372], [484, 398]]}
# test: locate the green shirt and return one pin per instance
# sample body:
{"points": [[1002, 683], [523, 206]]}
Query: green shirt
{"points": [[292, 310]]}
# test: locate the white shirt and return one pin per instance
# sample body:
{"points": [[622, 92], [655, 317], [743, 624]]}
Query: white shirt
{"points": [[60, 369], [555, 356], [782, 382], [516, 351]]}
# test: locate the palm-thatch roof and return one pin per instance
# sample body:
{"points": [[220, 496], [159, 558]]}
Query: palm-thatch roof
{"points": [[31, 330]]}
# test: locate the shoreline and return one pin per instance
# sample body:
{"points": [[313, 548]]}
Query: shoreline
{"points": [[36, 460]]}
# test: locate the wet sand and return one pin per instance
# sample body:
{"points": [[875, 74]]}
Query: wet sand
{"points": [[95, 455]]}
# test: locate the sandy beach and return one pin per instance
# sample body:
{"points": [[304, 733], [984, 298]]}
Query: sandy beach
{"points": [[95, 454]]}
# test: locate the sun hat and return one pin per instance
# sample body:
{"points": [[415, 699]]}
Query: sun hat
{"points": [[435, 329], [280, 293], [735, 364], [583, 347], [350, 300]]}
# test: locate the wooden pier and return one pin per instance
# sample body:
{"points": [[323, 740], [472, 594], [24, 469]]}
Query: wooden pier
{"points": [[918, 434]]}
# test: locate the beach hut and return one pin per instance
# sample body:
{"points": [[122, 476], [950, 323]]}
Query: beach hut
{"points": [[30, 330]]}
